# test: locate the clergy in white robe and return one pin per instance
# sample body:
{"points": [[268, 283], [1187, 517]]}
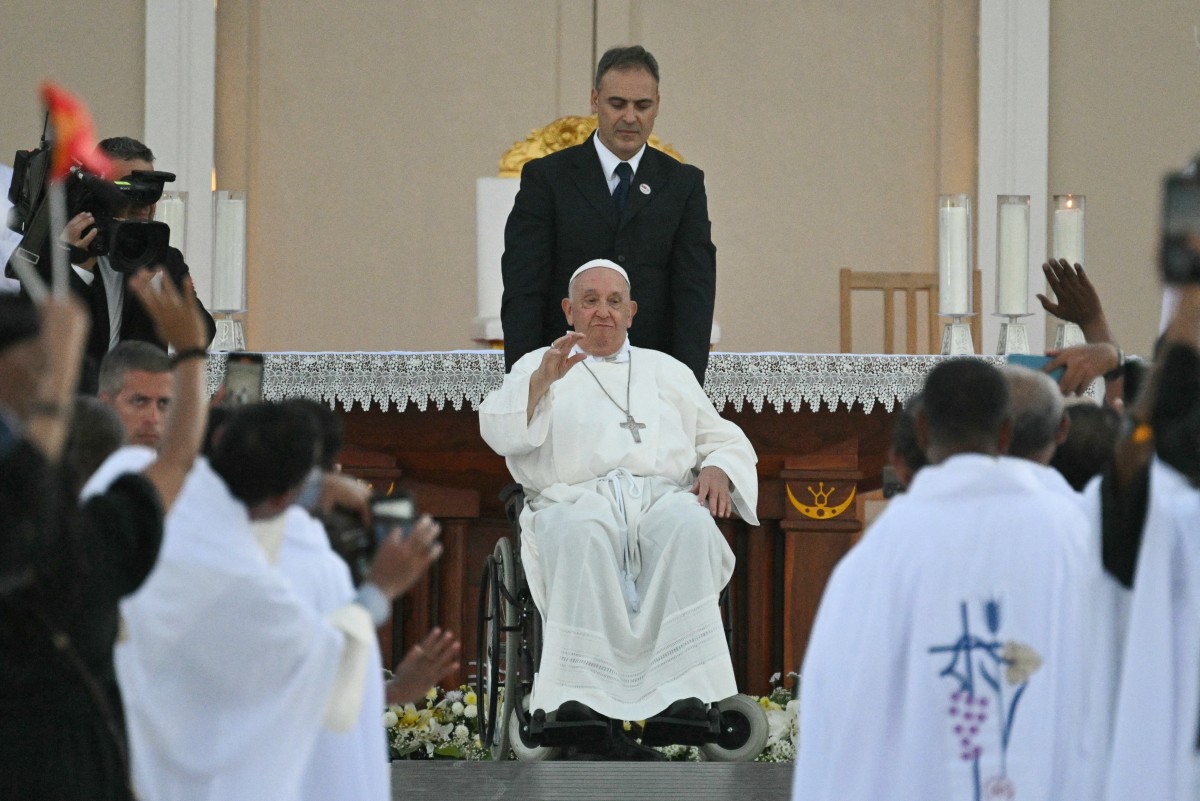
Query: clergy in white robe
{"points": [[351, 765], [624, 561], [948, 658], [227, 675]]}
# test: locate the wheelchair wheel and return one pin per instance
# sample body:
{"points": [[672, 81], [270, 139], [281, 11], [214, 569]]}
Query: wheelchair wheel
{"points": [[491, 638], [744, 731], [509, 648], [527, 753]]}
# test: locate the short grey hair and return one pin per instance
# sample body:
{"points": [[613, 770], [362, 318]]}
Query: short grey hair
{"points": [[1037, 409], [129, 355]]}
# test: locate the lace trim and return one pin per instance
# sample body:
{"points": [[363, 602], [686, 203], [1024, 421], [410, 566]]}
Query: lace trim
{"points": [[457, 377]]}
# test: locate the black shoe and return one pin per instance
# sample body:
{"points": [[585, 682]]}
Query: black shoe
{"points": [[575, 712], [621, 747], [685, 722]]}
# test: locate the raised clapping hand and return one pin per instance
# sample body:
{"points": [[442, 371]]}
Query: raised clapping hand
{"points": [[1077, 301], [175, 314], [556, 361], [712, 490], [423, 667]]}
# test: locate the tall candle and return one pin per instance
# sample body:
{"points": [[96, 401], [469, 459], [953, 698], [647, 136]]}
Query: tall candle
{"points": [[1067, 234], [171, 209], [1012, 255], [229, 253], [954, 256]]}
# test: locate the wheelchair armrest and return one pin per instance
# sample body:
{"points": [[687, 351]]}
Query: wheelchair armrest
{"points": [[513, 498]]}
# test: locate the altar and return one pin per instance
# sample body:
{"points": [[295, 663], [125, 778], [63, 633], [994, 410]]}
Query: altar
{"points": [[820, 424]]}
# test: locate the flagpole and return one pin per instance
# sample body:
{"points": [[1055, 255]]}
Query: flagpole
{"points": [[58, 249]]}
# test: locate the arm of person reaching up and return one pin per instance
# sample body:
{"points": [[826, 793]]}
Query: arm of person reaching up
{"points": [[1078, 302], [400, 562], [180, 324], [65, 325]]}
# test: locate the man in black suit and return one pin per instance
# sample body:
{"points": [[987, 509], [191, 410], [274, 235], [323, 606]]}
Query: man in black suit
{"points": [[650, 216], [116, 314]]}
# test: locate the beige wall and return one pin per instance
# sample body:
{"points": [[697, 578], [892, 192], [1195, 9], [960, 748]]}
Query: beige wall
{"points": [[1123, 111], [826, 130], [99, 55]]}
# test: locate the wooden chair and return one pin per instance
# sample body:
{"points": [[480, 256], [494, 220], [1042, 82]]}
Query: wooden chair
{"points": [[907, 284]]}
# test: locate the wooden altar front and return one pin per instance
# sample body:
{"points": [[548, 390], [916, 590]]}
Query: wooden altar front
{"points": [[819, 424]]}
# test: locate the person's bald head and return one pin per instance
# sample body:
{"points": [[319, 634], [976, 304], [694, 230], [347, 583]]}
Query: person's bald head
{"points": [[1038, 412]]}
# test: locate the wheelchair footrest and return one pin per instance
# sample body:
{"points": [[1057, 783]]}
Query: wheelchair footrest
{"points": [[566, 732], [681, 731]]}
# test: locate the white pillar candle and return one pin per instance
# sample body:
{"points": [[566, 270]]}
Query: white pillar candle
{"points": [[954, 257], [229, 253], [1012, 255], [1067, 234], [172, 210]]}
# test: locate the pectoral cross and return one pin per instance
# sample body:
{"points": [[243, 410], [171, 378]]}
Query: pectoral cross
{"points": [[633, 426]]}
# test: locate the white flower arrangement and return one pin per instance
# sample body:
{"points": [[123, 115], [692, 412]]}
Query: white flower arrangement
{"points": [[446, 726]]}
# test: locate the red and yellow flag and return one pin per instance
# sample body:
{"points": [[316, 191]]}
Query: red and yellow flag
{"points": [[74, 135]]}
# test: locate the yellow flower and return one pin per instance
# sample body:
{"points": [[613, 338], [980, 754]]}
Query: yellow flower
{"points": [[410, 719], [431, 695], [470, 698], [626, 725]]}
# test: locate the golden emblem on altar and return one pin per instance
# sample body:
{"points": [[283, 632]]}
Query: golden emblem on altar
{"points": [[820, 508], [562, 133]]}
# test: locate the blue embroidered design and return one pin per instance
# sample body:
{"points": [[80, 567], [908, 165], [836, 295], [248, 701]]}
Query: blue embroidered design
{"points": [[975, 665]]}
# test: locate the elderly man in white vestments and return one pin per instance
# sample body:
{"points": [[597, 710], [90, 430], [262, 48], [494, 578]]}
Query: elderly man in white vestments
{"points": [[625, 463], [228, 676], [947, 660]]}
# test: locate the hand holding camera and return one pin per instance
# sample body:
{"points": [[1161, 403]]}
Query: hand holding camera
{"points": [[401, 558]]}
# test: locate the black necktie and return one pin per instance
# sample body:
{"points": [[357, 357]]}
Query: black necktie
{"points": [[624, 178]]}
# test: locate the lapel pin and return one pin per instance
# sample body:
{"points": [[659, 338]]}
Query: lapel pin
{"points": [[644, 188]]}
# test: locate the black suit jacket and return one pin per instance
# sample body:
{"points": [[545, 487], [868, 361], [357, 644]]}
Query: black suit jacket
{"points": [[564, 216], [135, 323]]}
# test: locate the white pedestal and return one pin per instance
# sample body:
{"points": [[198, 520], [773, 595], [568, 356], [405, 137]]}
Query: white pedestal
{"points": [[229, 335], [956, 339], [1068, 335], [1013, 338]]}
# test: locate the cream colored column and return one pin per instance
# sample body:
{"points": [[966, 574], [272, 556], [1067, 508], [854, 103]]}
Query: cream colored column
{"points": [[1014, 124], [180, 62]]}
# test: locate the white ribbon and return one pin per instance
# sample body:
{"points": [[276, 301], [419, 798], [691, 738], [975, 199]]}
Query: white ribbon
{"points": [[632, 558]]}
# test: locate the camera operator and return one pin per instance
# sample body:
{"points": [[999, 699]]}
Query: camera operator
{"points": [[116, 315]]}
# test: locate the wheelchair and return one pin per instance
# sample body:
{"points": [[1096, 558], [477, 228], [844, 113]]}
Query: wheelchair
{"points": [[509, 645]]}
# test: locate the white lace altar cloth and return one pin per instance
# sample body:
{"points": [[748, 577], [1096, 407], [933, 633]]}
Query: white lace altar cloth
{"points": [[455, 378]]}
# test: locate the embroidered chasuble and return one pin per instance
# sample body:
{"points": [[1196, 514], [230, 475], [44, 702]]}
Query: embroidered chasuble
{"points": [[227, 676], [948, 657], [1154, 748], [623, 562]]}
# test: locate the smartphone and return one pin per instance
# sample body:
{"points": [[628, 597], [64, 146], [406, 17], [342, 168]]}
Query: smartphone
{"points": [[398, 509], [1179, 253], [1036, 362], [243, 379]]}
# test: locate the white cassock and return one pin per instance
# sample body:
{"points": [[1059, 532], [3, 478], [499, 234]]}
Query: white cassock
{"points": [[1154, 754], [226, 675], [947, 659], [350, 765], [623, 562]]}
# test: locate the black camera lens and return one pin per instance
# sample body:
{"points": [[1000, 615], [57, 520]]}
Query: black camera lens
{"points": [[138, 243]]}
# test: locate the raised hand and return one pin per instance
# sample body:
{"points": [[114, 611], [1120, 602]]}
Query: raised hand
{"points": [[1077, 301], [556, 361], [423, 667], [1083, 363], [176, 315]]}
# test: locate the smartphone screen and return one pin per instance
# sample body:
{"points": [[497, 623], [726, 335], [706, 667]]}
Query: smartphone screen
{"points": [[1035, 362], [1180, 254], [243, 379], [392, 511]]}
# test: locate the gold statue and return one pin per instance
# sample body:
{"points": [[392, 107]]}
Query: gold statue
{"points": [[562, 133]]}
